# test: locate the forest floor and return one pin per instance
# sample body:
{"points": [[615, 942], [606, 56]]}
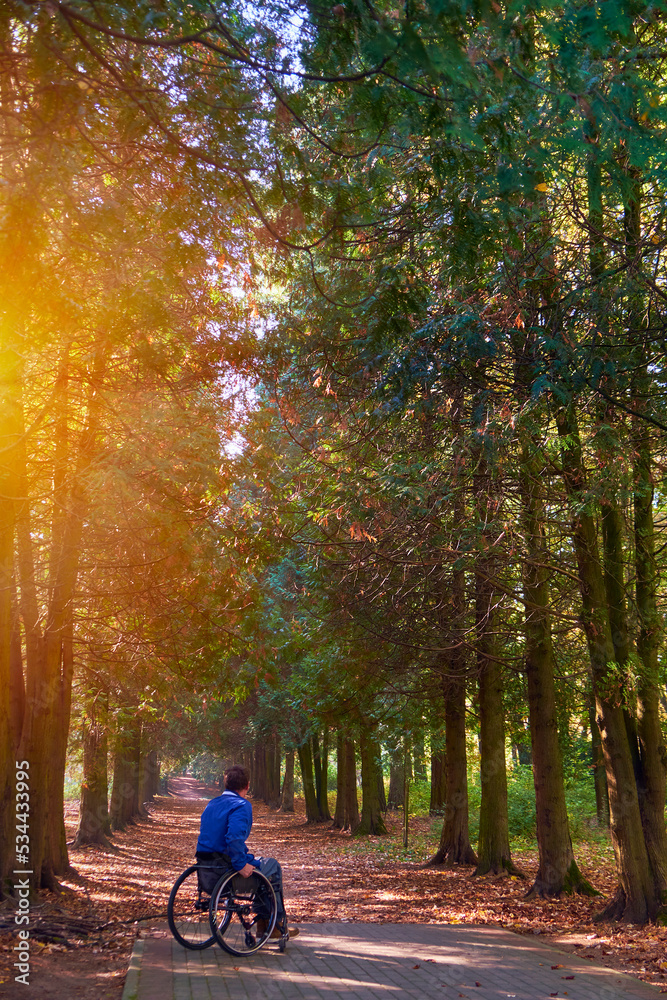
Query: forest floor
{"points": [[328, 876]]}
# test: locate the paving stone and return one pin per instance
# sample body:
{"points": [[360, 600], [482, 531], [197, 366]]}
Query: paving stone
{"points": [[377, 962]]}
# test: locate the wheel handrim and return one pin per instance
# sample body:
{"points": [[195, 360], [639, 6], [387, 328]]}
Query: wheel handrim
{"points": [[234, 917]]}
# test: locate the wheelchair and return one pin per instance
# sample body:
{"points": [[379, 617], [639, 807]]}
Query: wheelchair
{"points": [[210, 903]]}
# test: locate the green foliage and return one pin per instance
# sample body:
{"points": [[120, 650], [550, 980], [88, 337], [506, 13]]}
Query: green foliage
{"points": [[73, 776], [207, 768]]}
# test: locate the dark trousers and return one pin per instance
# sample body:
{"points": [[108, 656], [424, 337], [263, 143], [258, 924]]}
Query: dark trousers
{"points": [[271, 868]]}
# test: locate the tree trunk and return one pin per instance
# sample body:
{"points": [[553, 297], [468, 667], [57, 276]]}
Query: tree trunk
{"points": [[351, 798], [599, 775], [94, 822], [371, 821], [339, 811], [382, 794], [557, 871], [287, 795], [45, 679], [637, 899], [419, 758], [124, 807], [455, 847], [273, 774], [396, 794], [57, 858], [493, 848], [321, 760], [438, 782], [258, 772], [651, 748], [8, 754], [306, 764], [317, 766], [16, 683], [150, 776], [15, 274], [653, 757]]}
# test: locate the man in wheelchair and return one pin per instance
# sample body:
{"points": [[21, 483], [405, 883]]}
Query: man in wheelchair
{"points": [[225, 825]]}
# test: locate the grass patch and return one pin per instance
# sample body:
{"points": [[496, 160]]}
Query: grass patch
{"points": [[591, 842]]}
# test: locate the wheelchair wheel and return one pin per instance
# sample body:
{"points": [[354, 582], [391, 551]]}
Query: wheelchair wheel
{"points": [[243, 913], [187, 912]]}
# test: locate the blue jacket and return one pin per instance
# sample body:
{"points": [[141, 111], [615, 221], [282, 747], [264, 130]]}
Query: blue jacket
{"points": [[225, 824]]}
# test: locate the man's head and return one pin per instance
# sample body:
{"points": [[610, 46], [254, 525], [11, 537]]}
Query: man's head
{"points": [[237, 778]]}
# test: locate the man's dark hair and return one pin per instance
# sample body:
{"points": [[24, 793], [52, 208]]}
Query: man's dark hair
{"points": [[237, 778]]}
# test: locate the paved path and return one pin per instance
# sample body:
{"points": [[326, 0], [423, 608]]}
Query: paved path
{"points": [[373, 961]]}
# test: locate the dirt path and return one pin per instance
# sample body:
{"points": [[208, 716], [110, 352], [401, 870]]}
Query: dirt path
{"points": [[189, 788], [328, 877]]}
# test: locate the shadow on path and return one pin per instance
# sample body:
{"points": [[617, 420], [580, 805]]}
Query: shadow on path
{"points": [[370, 961]]}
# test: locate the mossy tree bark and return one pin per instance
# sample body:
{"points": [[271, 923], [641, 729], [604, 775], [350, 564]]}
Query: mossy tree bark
{"points": [[638, 897], [652, 753], [599, 773], [651, 747]]}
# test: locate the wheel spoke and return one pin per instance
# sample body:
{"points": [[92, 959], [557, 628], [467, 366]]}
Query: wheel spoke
{"points": [[188, 912], [243, 913]]}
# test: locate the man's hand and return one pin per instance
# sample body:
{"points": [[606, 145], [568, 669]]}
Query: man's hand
{"points": [[246, 871]]}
